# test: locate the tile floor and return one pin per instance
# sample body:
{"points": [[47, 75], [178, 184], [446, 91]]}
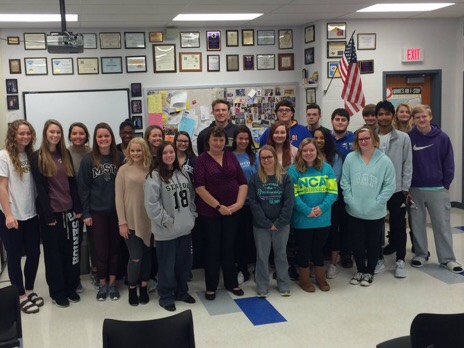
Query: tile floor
{"points": [[346, 316]]}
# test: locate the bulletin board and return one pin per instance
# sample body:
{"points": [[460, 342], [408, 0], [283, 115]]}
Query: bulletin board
{"points": [[190, 109]]}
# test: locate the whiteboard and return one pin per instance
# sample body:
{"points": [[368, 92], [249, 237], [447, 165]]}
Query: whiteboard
{"points": [[87, 106]]}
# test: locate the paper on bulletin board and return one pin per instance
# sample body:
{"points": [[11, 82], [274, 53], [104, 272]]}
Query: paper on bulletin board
{"points": [[179, 100], [155, 105], [187, 123], [155, 119], [204, 113]]}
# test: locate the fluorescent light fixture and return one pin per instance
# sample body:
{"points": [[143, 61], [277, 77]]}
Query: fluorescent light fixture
{"points": [[217, 16], [417, 7], [36, 17]]}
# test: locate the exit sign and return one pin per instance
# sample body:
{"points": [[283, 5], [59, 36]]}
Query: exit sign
{"points": [[413, 54]]}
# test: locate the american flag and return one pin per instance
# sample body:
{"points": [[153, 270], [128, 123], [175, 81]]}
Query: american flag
{"points": [[352, 93]]}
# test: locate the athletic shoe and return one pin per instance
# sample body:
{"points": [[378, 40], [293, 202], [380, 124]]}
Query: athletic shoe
{"points": [[61, 302], [331, 272], [380, 267], [73, 297], [240, 278], [114, 293], [94, 280], [400, 270], [367, 279], [356, 280], [152, 283], [79, 288], [262, 294], [285, 293], [102, 292]]}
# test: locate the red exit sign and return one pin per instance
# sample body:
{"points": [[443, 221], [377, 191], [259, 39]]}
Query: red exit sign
{"points": [[414, 54]]}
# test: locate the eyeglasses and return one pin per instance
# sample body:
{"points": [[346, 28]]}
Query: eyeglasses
{"points": [[267, 158], [182, 141], [284, 110], [361, 140]]}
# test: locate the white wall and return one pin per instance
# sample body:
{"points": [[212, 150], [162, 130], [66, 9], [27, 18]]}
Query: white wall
{"points": [[442, 41]]}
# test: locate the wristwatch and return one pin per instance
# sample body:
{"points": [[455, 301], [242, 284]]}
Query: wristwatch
{"points": [[218, 207]]}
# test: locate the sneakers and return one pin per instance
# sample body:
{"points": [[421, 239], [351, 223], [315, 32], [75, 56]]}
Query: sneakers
{"points": [[331, 272], [73, 297], [367, 279], [79, 288], [262, 294], [240, 278], [102, 292], [152, 283], [285, 293], [94, 280], [453, 266], [380, 267], [356, 280], [61, 302], [114, 293], [400, 270]]}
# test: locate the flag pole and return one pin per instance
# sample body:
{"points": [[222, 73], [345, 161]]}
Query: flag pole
{"points": [[336, 69]]}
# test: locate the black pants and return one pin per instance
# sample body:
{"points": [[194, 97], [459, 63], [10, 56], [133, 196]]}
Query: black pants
{"points": [[219, 240], [366, 236], [137, 270], [311, 242], [61, 254], [396, 206], [25, 239], [340, 221], [245, 249]]}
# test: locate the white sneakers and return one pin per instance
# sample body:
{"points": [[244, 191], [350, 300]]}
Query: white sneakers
{"points": [[331, 272], [380, 267], [400, 270]]}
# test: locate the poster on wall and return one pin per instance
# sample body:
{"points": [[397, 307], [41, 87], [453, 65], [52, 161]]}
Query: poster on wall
{"points": [[409, 95]]}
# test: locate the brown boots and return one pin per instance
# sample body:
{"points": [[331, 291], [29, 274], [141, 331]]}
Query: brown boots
{"points": [[320, 278], [305, 282]]}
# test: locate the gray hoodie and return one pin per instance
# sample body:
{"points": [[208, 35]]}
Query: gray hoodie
{"points": [[170, 206]]}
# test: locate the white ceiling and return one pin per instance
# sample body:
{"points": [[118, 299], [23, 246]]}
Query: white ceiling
{"points": [[159, 13]]}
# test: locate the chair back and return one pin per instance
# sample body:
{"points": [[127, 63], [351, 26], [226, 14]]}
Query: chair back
{"points": [[438, 331], [10, 318], [171, 332]]}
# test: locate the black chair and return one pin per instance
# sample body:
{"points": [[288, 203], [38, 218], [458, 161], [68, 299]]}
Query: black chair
{"points": [[11, 334], [170, 332], [431, 331]]}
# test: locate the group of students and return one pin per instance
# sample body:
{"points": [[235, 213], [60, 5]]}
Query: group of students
{"points": [[243, 205]]}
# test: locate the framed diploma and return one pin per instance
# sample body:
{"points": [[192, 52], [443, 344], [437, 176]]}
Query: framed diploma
{"points": [[190, 61], [110, 40], [265, 61], [232, 62], [213, 40], [248, 62], [164, 58], [35, 66], [309, 34], [87, 66], [248, 37], [366, 41], [155, 36], [214, 61], [232, 38], [12, 40], [62, 66], [111, 65], [15, 66], [35, 41], [134, 40], [266, 37], [190, 39], [285, 39], [90, 41], [286, 61], [310, 95], [136, 64]]}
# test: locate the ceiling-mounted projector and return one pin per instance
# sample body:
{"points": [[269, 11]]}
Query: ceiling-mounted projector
{"points": [[65, 43]]}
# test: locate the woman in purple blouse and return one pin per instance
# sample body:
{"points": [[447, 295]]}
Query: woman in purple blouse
{"points": [[221, 189]]}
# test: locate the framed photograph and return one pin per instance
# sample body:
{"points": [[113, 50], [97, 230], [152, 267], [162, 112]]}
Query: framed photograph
{"points": [[164, 58], [309, 55], [366, 66], [367, 41], [155, 36], [134, 40], [310, 95], [336, 31], [35, 41], [90, 41], [231, 38], [214, 62], [62, 66], [137, 122], [111, 65], [11, 86], [335, 49], [136, 106], [36, 66], [332, 70], [87, 66], [15, 66], [136, 90], [213, 40], [286, 61], [135, 64], [190, 61], [110, 41], [248, 62], [285, 39], [232, 62], [265, 61], [190, 39], [248, 37], [310, 34], [12, 40], [12, 102], [265, 37]]}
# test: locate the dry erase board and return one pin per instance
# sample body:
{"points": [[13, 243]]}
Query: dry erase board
{"points": [[87, 106]]}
